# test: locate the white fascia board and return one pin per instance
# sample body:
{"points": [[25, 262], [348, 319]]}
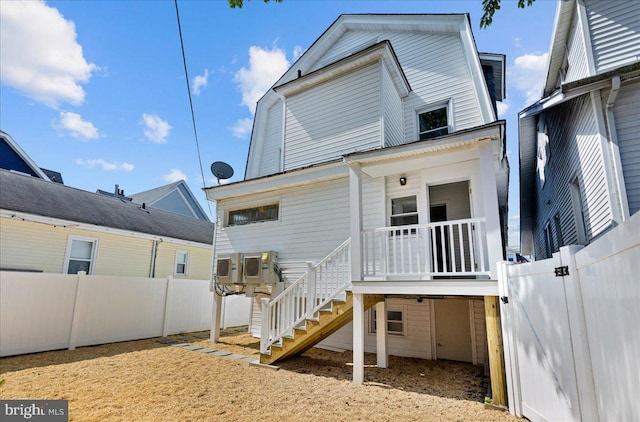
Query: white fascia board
{"points": [[558, 45], [497, 61], [477, 75], [379, 52], [428, 287], [16, 215], [16, 148], [279, 181]]}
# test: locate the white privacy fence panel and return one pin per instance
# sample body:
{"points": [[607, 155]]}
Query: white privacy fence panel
{"points": [[114, 309], [40, 311], [609, 274], [182, 318], [575, 313], [35, 311]]}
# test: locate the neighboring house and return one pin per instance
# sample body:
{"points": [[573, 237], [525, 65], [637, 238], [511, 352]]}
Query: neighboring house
{"points": [[175, 197], [52, 228], [381, 144], [13, 158], [580, 144]]}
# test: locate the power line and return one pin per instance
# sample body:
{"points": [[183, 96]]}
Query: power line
{"points": [[193, 116]]}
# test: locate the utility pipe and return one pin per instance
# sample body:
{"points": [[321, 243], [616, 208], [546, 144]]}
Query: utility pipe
{"points": [[623, 204]]}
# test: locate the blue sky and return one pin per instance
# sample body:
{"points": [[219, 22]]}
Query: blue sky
{"points": [[96, 89]]}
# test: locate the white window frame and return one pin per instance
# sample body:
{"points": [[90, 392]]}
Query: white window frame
{"points": [[227, 211], [548, 240], [447, 104], [400, 196], [186, 263], [397, 308], [94, 248]]}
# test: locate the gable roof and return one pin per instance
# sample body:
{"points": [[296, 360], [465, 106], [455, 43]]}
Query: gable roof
{"points": [[24, 162], [30, 195], [151, 196], [454, 23]]}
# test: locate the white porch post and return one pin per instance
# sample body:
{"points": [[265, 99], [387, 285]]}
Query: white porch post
{"points": [[358, 338], [491, 209], [216, 316], [381, 335], [355, 207]]}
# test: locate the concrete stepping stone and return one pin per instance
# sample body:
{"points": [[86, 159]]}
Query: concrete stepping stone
{"points": [[221, 353], [168, 342], [202, 336], [179, 345], [191, 347], [205, 350], [234, 356]]}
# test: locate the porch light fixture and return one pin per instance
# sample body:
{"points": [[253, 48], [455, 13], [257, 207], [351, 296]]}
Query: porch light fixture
{"points": [[403, 181]]}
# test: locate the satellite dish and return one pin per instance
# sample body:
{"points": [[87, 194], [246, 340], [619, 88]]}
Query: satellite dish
{"points": [[221, 170]]}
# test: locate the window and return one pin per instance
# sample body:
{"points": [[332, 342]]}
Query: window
{"points": [[395, 321], [253, 215], [433, 123], [556, 221], [182, 262], [548, 240], [80, 255], [578, 211], [404, 211]]}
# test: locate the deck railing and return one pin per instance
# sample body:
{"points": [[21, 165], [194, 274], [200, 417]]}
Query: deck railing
{"points": [[303, 299], [448, 248]]}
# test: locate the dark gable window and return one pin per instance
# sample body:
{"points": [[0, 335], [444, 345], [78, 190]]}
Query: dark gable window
{"points": [[433, 123], [253, 215]]}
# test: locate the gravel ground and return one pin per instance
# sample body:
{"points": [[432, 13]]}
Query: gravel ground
{"points": [[148, 381]]}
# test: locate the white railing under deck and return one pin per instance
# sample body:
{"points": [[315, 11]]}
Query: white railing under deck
{"points": [[302, 300], [448, 248]]}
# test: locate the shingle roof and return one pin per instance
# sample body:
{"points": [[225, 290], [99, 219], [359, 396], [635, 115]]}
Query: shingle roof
{"points": [[39, 197]]}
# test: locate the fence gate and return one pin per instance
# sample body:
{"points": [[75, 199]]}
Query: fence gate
{"points": [[536, 327]]}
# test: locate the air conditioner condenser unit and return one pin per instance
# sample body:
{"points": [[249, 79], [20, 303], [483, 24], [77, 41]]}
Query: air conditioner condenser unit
{"points": [[229, 268], [261, 268]]}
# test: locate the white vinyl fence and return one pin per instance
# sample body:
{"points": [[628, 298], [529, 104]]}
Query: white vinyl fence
{"points": [[41, 311], [572, 340]]}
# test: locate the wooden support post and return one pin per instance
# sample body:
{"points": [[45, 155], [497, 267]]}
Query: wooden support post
{"points": [[496, 351]]}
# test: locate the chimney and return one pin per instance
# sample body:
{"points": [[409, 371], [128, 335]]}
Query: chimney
{"points": [[117, 191]]}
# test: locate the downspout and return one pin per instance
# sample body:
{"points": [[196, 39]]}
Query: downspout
{"points": [[615, 150], [154, 252]]}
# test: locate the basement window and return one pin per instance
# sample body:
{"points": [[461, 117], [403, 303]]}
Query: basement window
{"points": [[395, 321], [253, 215]]}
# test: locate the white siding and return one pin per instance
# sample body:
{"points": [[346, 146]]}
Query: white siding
{"points": [[615, 32], [577, 54], [332, 119], [417, 342], [392, 111], [373, 202], [314, 220], [272, 144], [575, 150], [627, 115]]}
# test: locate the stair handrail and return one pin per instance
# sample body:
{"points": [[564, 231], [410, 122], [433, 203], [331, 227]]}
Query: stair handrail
{"points": [[301, 300]]}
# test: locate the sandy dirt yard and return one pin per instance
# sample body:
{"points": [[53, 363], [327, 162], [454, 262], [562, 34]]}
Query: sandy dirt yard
{"points": [[148, 381]]}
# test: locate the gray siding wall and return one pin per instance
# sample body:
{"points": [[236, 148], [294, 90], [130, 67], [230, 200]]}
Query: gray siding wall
{"points": [[615, 32], [333, 119], [627, 115], [392, 111], [574, 150], [577, 54], [270, 157]]}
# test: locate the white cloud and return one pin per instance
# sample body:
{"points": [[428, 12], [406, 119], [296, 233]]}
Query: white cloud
{"points": [[40, 55], [517, 41], [242, 128], [78, 128], [503, 108], [265, 67], [174, 175], [91, 163], [155, 129], [527, 75], [200, 82], [297, 52]]}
